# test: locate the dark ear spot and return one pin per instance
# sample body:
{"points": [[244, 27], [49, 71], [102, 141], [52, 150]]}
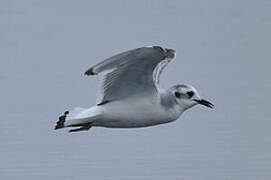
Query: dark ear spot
{"points": [[177, 94], [190, 94]]}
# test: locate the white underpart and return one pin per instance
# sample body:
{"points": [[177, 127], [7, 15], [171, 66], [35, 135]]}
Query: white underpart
{"points": [[129, 95]]}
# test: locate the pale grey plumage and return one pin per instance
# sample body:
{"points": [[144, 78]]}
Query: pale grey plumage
{"points": [[130, 95], [133, 72]]}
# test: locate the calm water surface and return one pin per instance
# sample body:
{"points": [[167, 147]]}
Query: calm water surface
{"points": [[223, 49]]}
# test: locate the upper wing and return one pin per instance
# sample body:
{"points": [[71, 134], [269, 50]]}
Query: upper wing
{"points": [[131, 73]]}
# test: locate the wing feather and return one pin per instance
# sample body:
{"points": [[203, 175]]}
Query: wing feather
{"points": [[159, 69], [130, 73]]}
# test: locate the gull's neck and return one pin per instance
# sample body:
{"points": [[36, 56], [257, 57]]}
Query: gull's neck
{"points": [[169, 103]]}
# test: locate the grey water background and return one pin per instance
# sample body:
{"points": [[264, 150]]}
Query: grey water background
{"points": [[223, 49]]}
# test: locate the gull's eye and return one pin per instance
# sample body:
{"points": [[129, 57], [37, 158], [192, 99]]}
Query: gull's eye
{"points": [[177, 94], [190, 94]]}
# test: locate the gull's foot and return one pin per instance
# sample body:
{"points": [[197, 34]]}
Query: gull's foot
{"points": [[84, 127]]}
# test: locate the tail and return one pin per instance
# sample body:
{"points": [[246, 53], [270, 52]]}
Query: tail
{"points": [[73, 114]]}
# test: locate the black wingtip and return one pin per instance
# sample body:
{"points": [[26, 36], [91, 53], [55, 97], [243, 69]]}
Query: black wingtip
{"points": [[89, 72], [102, 103], [159, 47], [61, 121]]}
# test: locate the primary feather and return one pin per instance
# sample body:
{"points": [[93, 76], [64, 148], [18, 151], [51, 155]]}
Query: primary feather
{"points": [[133, 72]]}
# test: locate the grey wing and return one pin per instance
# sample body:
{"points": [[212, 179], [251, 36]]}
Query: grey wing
{"points": [[170, 54], [130, 73], [159, 69]]}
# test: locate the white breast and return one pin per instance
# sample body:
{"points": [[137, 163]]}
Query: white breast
{"points": [[134, 113]]}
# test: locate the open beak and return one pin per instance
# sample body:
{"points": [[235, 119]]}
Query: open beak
{"points": [[205, 103]]}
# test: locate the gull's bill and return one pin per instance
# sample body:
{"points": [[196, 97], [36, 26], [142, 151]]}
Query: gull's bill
{"points": [[205, 103]]}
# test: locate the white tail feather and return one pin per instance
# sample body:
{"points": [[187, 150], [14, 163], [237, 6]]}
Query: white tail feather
{"points": [[75, 113], [78, 116]]}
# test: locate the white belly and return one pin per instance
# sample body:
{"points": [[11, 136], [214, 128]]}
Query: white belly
{"points": [[121, 114]]}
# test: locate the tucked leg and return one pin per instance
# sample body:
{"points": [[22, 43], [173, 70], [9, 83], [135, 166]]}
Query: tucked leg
{"points": [[84, 127]]}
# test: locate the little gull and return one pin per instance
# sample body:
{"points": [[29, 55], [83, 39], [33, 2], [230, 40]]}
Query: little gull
{"points": [[130, 96]]}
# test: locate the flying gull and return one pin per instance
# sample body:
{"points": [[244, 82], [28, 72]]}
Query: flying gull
{"points": [[130, 96]]}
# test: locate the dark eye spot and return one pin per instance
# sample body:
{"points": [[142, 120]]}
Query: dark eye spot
{"points": [[177, 94], [190, 94]]}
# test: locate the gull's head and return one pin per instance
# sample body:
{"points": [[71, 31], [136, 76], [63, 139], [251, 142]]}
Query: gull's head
{"points": [[187, 96]]}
